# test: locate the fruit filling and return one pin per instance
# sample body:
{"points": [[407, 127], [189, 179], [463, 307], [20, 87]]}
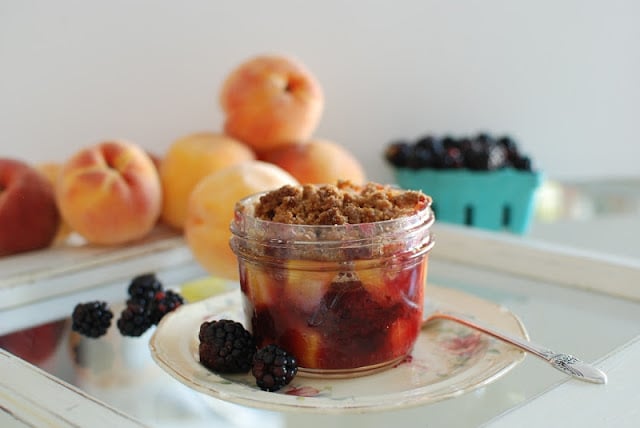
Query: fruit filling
{"points": [[347, 327]]}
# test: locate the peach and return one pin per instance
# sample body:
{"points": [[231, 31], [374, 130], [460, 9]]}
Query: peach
{"points": [[188, 160], [29, 217], [317, 162], [110, 193], [271, 101], [51, 170], [211, 206]]}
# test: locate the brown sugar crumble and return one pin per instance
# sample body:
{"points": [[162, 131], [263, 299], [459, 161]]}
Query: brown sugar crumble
{"points": [[344, 203]]}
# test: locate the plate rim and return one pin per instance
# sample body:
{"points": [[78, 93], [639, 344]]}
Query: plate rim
{"points": [[265, 400]]}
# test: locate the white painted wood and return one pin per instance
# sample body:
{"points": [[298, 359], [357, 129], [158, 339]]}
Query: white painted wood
{"points": [[41, 275], [565, 266], [572, 404], [31, 397]]}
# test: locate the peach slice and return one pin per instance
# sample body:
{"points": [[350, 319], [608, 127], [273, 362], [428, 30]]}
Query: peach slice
{"points": [[261, 286], [393, 283], [401, 335], [305, 344], [305, 285]]}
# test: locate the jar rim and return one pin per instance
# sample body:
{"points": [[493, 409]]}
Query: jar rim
{"points": [[244, 223]]}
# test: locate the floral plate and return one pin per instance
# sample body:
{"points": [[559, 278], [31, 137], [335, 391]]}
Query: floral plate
{"points": [[448, 360]]}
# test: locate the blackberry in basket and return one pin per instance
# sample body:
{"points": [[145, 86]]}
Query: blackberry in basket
{"points": [[480, 180], [480, 153]]}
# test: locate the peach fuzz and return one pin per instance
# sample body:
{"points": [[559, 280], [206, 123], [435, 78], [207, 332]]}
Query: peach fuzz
{"points": [[110, 193], [271, 101], [211, 207], [190, 159], [29, 217], [318, 162]]}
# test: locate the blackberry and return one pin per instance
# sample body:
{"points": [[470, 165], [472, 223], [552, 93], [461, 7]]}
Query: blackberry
{"points": [[398, 153], [464, 144], [134, 320], [143, 288], [439, 153], [448, 142], [426, 142], [522, 163], [486, 156], [226, 346], [510, 147], [453, 157], [91, 319], [483, 138], [273, 367], [421, 157], [163, 303], [480, 152]]}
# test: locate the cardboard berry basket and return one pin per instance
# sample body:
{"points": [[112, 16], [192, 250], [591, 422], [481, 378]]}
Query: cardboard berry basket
{"points": [[500, 200]]}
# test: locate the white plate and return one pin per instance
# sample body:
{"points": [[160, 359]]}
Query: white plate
{"points": [[447, 360]]}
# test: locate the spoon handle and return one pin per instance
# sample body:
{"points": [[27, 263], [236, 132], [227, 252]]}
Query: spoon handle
{"points": [[563, 362]]}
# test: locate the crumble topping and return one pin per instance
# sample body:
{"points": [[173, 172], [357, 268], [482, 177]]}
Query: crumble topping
{"points": [[343, 203]]}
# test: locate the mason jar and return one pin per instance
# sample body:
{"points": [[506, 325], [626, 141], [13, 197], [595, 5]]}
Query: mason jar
{"points": [[345, 300]]}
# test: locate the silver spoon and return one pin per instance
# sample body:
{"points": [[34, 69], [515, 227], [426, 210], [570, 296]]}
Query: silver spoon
{"points": [[564, 362]]}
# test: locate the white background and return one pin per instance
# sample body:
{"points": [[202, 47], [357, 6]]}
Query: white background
{"points": [[562, 77]]}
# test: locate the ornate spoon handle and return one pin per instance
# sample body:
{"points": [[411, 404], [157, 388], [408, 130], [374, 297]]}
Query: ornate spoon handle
{"points": [[563, 362]]}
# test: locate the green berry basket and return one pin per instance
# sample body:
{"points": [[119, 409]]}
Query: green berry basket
{"points": [[500, 200]]}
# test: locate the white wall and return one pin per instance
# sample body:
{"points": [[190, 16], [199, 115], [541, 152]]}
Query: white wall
{"points": [[561, 76]]}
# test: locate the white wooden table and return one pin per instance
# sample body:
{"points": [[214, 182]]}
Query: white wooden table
{"points": [[578, 302]]}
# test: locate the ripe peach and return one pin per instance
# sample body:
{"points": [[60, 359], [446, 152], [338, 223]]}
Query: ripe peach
{"points": [[271, 101], [29, 217], [210, 211], [317, 162], [188, 160], [110, 193], [51, 170]]}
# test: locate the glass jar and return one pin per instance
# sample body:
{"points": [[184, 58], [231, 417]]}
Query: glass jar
{"points": [[345, 300]]}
